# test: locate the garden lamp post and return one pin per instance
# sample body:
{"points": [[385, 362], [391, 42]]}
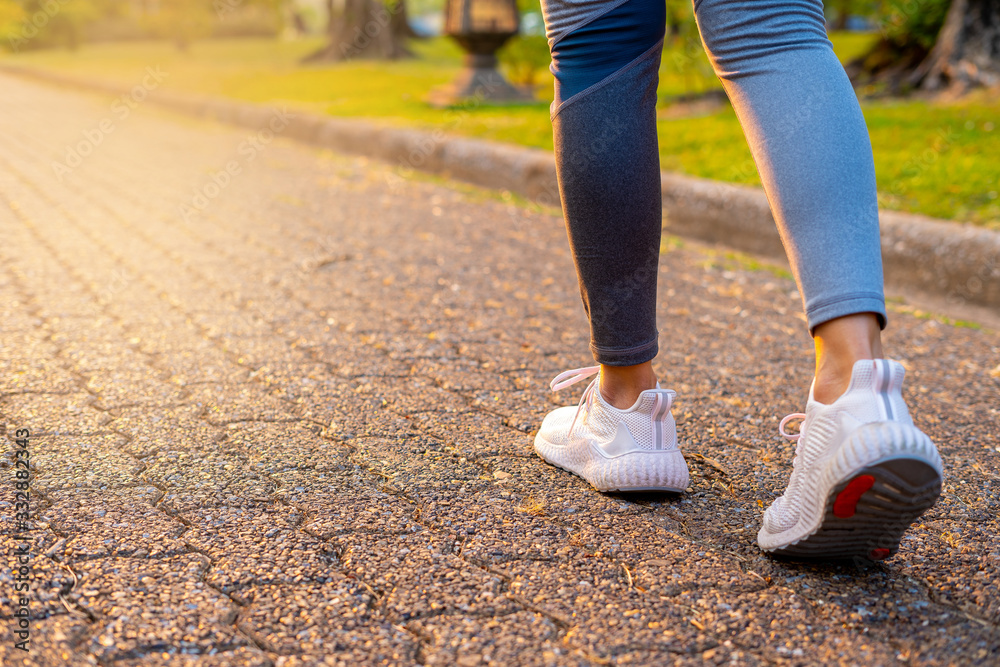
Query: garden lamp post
{"points": [[481, 27]]}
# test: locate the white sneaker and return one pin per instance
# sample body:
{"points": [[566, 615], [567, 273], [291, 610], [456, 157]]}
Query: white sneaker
{"points": [[862, 473], [614, 450]]}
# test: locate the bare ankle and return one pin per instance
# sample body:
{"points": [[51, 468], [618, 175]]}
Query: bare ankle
{"points": [[840, 343], [621, 385], [828, 387]]}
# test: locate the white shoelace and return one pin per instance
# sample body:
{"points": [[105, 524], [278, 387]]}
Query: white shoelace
{"points": [[567, 378]]}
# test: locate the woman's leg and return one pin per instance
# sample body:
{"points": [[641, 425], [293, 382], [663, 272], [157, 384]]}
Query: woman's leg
{"points": [[605, 57], [809, 140]]}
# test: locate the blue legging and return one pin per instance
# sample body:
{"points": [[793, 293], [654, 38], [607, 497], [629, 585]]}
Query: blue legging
{"points": [[800, 117]]}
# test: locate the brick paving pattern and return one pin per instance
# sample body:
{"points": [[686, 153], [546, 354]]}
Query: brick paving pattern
{"points": [[294, 427]]}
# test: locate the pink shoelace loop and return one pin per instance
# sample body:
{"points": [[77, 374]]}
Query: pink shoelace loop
{"points": [[567, 378], [795, 416], [571, 377]]}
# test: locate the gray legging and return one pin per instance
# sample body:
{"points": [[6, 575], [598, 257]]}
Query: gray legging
{"points": [[801, 119]]}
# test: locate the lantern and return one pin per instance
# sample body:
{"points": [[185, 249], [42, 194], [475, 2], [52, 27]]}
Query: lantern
{"points": [[481, 27]]}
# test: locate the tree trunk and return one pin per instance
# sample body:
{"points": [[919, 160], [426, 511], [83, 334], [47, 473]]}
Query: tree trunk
{"points": [[365, 29], [401, 23], [842, 12], [967, 52]]}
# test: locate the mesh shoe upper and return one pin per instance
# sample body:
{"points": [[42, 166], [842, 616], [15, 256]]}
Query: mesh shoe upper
{"points": [[614, 450], [874, 395], [649, 421]]}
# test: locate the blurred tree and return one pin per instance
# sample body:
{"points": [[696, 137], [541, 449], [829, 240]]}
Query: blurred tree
{"points": [[53, 23], [967, 51], [365, 29], [933, 45], [11, 22]]}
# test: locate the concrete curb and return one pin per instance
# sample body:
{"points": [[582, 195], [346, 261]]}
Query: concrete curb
{"points": [[956, 266]]}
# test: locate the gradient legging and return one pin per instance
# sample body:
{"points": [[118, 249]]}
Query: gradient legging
{"points": [[801, 120]]}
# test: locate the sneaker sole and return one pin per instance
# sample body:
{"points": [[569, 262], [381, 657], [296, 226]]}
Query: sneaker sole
{"points": [[868, 510], [631, 472]]}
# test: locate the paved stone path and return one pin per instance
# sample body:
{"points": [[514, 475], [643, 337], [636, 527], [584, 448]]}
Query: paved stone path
{"points": [[294, 427]]}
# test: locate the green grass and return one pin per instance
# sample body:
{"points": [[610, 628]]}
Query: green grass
{"points": [[936, 159]]}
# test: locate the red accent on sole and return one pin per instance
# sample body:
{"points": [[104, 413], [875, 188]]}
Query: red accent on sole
{"points": [[846, 502], [879, 554]]}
